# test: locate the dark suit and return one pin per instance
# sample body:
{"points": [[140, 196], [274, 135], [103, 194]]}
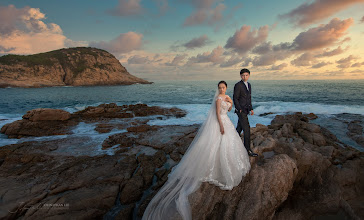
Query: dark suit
{"points": [[243, 102]]}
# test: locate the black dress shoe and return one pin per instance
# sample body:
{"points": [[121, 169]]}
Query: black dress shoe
{"points": [[252, 154]]}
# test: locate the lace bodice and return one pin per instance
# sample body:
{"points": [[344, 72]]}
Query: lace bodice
{"points": [[224, 107]]}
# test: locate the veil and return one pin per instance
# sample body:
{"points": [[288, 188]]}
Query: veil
{"points": [[171, 201]]}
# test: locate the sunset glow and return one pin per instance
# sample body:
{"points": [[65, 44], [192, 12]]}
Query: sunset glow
{"points": [[198, 40]]}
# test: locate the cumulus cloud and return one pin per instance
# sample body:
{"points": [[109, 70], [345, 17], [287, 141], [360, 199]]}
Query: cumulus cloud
{"points": [[245, 39], [330, 53], [205, 13], [197, 42], [23, 31], [319, 65], [247, 61], [214, 57], [124, 43], [271, 57], [233, 60], [279, 67], [263, 48], [306, 59], [138, 60], [309, 13], [323, 35], [177, 60], [127, 8], [345, 62]]}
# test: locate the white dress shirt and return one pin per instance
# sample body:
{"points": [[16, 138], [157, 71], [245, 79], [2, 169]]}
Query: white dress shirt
{"points": [[246, 84]]}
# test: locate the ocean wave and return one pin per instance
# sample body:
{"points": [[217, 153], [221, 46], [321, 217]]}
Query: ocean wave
{"points": [[279, 107]]}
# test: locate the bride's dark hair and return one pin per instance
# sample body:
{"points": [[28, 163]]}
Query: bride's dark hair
{"points": [[222, 82]]}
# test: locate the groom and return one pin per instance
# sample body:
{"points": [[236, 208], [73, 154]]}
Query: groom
{"points": [[243, 105]]}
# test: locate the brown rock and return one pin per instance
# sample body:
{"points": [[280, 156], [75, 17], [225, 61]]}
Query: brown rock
{"points": [[311, 116], [133, 190], [23, 128], [47, 114], [264, 190], [299, 179], [142, 128]]}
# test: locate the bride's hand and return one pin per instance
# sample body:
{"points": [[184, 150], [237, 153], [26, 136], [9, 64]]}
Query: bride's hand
{"points": [[222, 129]]}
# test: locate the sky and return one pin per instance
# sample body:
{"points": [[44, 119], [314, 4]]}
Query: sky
{"points": [[198, 39]]}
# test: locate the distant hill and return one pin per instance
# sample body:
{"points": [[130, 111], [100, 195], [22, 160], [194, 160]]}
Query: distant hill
{"points": [[80, 66]]}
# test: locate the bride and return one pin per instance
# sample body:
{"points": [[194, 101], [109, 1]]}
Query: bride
{"points": [[216, 155]]}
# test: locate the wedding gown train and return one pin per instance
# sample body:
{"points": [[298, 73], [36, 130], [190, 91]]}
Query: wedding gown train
{"points": [[211, 157]]}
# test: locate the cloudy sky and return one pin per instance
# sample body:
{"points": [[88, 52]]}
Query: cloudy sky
{"points": [[198, 39]]}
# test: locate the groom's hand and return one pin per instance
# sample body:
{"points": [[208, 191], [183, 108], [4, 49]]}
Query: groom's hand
{"points": [[252, 112], [228, 99]]}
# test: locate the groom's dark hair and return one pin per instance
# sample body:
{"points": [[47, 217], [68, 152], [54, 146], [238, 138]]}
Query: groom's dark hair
{"points": [[244, 71]]}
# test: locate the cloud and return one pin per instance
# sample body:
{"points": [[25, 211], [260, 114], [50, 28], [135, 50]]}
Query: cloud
{"points": [[271, 57], [126, 8], [323, 35], [6, 50], [205, 13], [124, 43], [328, 53], [345, 62], [23, 31], [309, 13], [176, 60], [305, 59], [197, 42], [319, 65], [216, 14], [198, 17], [233, 60], [357, 64], [362, 20], [138, 60], [245, 39], [247, 61], [279, 67], [214, 57], [263, 48]]}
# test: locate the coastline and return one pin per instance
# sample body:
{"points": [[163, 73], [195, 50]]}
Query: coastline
{"points": [[136, 160]]}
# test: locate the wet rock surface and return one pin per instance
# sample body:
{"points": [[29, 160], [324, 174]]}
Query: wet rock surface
{"points": [[302, 171], [355, 131], [45, 122]]}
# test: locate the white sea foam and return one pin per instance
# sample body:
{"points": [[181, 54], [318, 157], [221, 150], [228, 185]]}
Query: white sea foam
{"points": [[324, 109], [197, 113]]}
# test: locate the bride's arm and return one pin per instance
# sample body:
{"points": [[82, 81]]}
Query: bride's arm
{"points": [[218, 103]]}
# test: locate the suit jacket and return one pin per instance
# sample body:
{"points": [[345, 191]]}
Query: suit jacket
{"points": [[242, 97]]}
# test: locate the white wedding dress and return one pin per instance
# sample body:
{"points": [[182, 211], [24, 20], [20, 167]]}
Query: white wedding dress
{"points": [[219, 159]]}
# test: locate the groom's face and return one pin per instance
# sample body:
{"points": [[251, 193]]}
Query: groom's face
{"points": [[245, 76]]}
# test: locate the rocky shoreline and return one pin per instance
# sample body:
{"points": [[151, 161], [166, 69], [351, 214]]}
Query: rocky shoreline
{"points": [[303, 170]]}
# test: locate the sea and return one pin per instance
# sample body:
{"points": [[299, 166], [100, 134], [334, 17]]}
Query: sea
{"points": [[335, 102]]}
